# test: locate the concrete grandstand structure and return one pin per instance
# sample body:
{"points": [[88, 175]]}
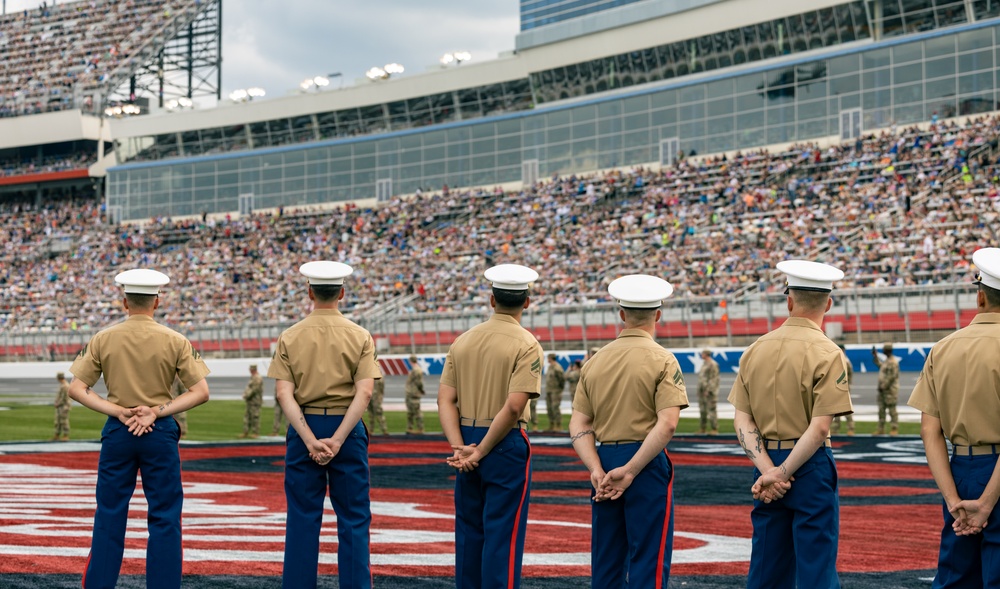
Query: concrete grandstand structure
{"points": [[594, 151]]}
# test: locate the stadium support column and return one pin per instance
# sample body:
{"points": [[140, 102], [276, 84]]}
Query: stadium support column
{"points": [[218, 69], [876, 19]]}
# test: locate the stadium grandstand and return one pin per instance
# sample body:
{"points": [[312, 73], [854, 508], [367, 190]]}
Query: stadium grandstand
{"points": [[702, 144]]}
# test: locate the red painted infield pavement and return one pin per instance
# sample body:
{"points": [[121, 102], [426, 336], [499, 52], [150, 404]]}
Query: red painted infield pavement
{"points": [[235, 506]]}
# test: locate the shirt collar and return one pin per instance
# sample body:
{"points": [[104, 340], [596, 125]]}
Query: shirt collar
{"points": [[326, 312], [504, 318], [802, 322], [986, 318], [634, 332], [139, 318]]}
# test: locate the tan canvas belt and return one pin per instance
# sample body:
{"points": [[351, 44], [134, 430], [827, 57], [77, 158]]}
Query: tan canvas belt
{"points": [[979, 450], [620, 442], [311, 410], [789, 444], [468, 421]]}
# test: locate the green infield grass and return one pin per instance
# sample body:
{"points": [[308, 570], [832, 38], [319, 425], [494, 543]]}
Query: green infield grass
{"points": [[223, 420]]}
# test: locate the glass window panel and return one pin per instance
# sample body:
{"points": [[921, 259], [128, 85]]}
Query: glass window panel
{"points": [[812, 110], [875, 59], [978, 39], [509, 142], [558, 135], [691, 111], [907, 53], [719, 125], [750, 120], [847, 64], [936, 68], [636, 121], [811, 129], [940, 88], [581, 130], [782, 115], [907, 73], [971, 62], [667, 116], [751, 83], [876, 79], [970, 105], [434, 153], [692, 93], [609, 109], [876, 99], [635, 104], [951, 14], [939, 46], [779, 78], [781, 133], [747, 102], [908, 94], [975, 83], [845, 84], [482, 131], [663, 99], [636, 138], [557, 118], [457, 134], [720, 89], [723, 106]]}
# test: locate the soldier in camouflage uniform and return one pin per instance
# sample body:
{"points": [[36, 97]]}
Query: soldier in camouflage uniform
{"points": [[708, 393], [555, 381], [182, 417], [414, 393], [572, 378], [254, 397], [279, 417], [835, 426], [375, 415], [63, 405], [888, 389]]}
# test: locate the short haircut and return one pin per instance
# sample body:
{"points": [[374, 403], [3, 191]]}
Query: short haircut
{"points": [[326, 293], [992, 296], [887, 349], [639, 316], [552, 356], [140, 301], [510, 299], [812, 300]]}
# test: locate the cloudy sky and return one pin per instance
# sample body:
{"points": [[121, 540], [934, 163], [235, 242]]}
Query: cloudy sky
{"points": [[278, 43]]}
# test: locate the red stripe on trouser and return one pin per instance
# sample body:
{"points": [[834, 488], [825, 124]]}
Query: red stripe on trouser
{"points": [[86, 567], [517, 520], [666, 526]]}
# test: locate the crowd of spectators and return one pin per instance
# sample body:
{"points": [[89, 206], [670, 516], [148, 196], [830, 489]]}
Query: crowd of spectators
{"points": [[903, 207], [55, 56], [53, 163]]}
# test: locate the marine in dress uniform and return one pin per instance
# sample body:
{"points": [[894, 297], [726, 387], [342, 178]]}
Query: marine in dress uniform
{"points": [[708, 393], [958, 392], [139, 359], [835, 427], [629, 400], [888, 390], [253, 395], [555, 382], [790, 384], [490, 372], [181, 417], [325, 367], [63, 405], [414, 394], [375, 414]]}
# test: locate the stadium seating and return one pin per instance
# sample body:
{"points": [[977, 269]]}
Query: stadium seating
{"points": [[902, 207], [51, 56]]}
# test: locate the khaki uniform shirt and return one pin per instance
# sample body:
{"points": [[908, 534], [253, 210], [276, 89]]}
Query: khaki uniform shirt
{"points": [[708, 376], [324, 355], [572, 377], [555, 380], [789, 376], [626, 383], [960, 383], [491, 361], [415, 382], [139, 359]]}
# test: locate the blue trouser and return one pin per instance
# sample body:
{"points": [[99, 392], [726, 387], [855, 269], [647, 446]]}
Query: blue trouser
{"points": [[305, 489], [970, 561], [795, 538], [123, 455], [491, 513], [632, 537]]}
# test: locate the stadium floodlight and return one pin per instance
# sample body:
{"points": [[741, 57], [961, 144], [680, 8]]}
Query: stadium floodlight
{"points": [[306, 84], [321, 81], [130, 109], [172, 104], [238, 95], [376, 73], [456, 58], [185, 102], [393, 68], [256, 92]]}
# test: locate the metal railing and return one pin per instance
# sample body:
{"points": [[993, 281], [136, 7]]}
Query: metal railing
{"points": [[923, 313]]}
